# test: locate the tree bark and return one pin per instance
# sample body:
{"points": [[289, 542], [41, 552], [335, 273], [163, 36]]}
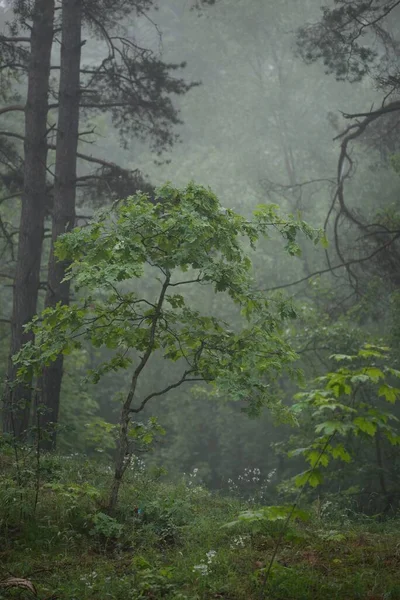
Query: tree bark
{"points": [[17, 399], [379, 461], [122, 458], [63, 217], [123, 453]]}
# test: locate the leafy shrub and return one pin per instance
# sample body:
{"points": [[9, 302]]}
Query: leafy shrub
{"points": [[105, 528], [164, 517]]}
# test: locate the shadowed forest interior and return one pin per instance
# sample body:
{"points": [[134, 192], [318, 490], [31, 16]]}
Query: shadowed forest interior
{"points": [[200, 299]]}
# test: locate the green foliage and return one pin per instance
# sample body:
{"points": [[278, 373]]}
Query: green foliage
{"points": [[185, 232], [269, 513], [156, 582], [313, 477], [84, 553], [347, 404], [77, 501], [144, 434], [105, 526], [164, 518], [81, 429], [99, 435]]}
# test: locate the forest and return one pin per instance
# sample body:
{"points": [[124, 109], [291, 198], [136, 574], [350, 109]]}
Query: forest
{"points": [[200, 299]]}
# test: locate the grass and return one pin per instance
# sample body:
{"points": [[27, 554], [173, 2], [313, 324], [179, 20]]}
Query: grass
{"points": [[175, 547]]}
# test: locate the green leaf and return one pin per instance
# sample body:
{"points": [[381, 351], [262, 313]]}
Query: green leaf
{"points": [[393, 438], [393, 372], [389, 393], [365, 425], [339, 452], [341, 357], [337, 382], [312, 477], [269, 513], [297, 452], [324, 241], [370, 352], [373, 373], [316, 457], [331, 427], [360, 378]]}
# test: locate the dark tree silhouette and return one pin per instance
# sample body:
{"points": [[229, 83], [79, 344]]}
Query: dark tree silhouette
{"points": [[130, 83]]}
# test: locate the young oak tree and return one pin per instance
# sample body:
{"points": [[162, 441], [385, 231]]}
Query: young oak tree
{"points": [[185, 239]]}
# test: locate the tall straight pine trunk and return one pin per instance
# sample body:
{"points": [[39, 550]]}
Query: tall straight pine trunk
{"points": [[17, 399], [63, 217]]}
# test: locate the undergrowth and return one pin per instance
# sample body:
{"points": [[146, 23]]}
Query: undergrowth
{"points": [[170, 541]]}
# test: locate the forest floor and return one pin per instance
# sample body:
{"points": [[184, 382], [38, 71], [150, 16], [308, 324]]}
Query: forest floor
{"points": [[169, 541]]}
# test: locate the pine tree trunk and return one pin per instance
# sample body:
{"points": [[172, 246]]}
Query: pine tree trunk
{"points": [[63, 217], [33, 206]]}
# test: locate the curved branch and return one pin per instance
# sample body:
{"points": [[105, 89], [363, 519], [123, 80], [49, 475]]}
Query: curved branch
{"points": [[178, 383], [330, 269], [14, 40], [86, 157], [12, 108], [10, 197], [13, 134], [351, 133], [372, 115]]}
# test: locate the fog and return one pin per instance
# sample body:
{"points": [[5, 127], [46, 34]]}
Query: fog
{"points": [[261, 126]]}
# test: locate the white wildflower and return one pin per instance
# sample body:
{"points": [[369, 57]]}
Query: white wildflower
{"points": [[210, 556], [202, 569]]}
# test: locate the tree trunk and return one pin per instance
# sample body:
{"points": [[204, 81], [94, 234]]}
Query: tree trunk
{"points": [[63, 217], [123, 452], [122, 458], [33, 206], [379, 461]]}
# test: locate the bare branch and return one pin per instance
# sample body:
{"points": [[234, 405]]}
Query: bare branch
{"points": [[10, 197], [372, 115], [12, 108], [330, 269], [13, 134], [14, 40], [91, 159], [183, 379], [177, 283]]}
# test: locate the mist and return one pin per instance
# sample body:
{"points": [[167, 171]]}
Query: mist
{"points": [[199, 218]]}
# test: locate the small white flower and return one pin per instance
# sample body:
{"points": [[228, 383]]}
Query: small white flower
{"points": [[202, 569], [239, 541], [210, 556]]}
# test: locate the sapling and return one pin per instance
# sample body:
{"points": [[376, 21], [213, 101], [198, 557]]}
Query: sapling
{"points": [[182, 242]]}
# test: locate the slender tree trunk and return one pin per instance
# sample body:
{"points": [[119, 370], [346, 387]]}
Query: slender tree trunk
{"points": [[122, 458], [123, 452], [63, 217], [27, 277], [379, 461]]}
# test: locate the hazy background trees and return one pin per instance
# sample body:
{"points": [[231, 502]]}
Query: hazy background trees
{"points": [[132, 85], [259, 128]]}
